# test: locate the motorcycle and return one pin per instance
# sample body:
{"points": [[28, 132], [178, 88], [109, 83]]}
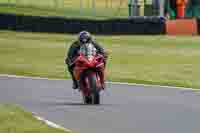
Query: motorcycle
{"points": [[89, 72]]}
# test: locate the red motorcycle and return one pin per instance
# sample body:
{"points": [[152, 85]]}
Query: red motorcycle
{"points": [[89, 72]]}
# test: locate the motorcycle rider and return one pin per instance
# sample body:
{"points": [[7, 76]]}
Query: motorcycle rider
{"points": [[84, 37]]}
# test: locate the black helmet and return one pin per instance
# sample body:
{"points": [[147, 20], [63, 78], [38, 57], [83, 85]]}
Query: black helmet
{"points": [[84, 37]]}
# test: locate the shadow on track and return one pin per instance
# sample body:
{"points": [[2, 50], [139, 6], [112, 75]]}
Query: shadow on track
{"points": [[74, 104]]}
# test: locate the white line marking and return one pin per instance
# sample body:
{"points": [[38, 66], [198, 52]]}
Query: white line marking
{"points": [[27, 77], [117, 83], [149, 85], [50, 123]]}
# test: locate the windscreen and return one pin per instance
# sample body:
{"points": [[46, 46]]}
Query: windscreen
{"points": [[88, 50]]}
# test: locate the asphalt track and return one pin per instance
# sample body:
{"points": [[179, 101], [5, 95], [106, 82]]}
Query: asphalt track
{"points": [[124, 108]]}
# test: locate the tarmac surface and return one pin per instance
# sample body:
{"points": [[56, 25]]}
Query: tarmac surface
{"points": [[123, 109]]}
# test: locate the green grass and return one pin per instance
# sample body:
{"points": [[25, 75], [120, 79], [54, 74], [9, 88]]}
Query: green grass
{"points": [[15, 120], [159, 60], [69, 8]]}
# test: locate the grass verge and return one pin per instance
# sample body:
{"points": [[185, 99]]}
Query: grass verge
{"points": [[15, 120], [161, 60], [68, 12]]}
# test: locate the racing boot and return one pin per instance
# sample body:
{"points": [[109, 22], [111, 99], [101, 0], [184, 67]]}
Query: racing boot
{"points": [[75, 85]]}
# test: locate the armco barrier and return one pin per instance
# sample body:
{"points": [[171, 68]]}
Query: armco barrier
{"points": [[137, 25]]}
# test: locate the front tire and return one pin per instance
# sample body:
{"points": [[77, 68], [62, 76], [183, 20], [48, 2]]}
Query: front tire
{"points": [[87, 99], [95, 97]]}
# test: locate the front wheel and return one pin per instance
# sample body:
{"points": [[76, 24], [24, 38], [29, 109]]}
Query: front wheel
{"points": [[87, 99], [94, 95]]}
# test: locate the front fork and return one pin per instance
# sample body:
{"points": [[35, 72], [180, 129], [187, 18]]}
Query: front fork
{"points": [[86, 90]]}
